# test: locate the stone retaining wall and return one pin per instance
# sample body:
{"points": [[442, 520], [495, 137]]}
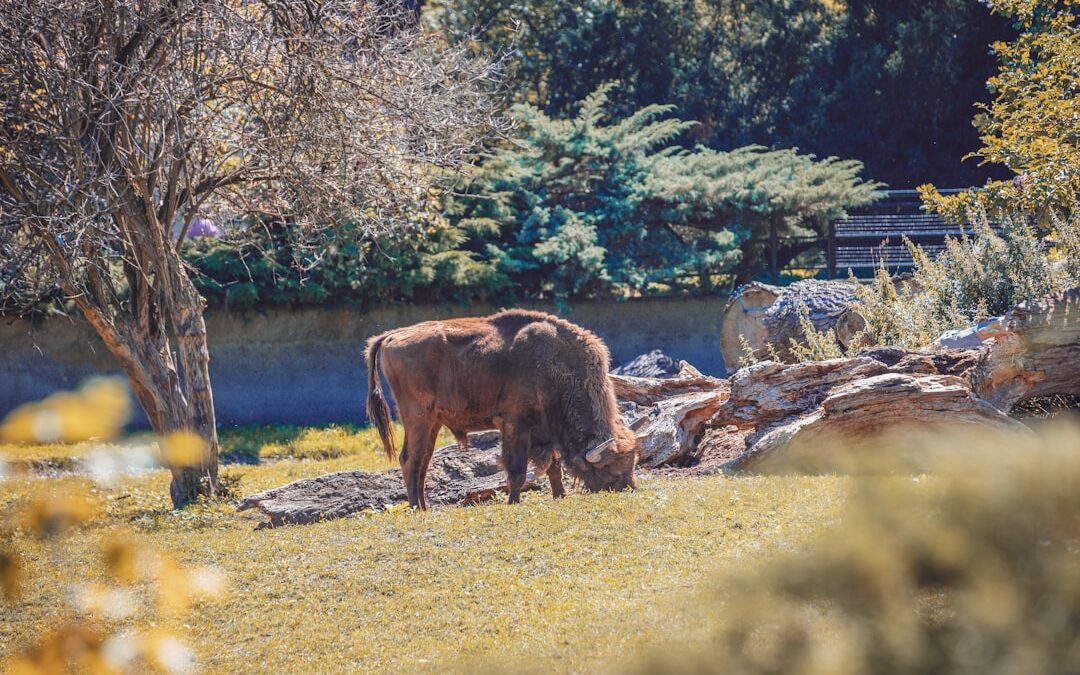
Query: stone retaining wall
{"points": [[307, 366]]}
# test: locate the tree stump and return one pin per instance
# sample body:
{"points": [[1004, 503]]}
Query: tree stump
{"points": [[768, 318], [744, 320]]}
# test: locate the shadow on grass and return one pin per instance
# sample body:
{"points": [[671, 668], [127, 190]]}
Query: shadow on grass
{"points": [[242, 444], [255, 444]]}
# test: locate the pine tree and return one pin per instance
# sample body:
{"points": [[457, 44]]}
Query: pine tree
{"points": [[593, 205]]}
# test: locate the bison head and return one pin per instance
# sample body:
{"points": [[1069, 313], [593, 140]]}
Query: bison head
{"points": [[609, 464]]}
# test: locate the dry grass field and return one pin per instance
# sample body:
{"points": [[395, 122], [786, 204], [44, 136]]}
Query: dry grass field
{"points": [[586, 583]]}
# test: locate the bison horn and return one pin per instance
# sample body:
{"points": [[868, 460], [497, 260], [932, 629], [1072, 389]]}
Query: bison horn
{"points": [[597, 453]]}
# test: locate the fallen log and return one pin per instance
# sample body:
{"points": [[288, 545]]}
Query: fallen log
{"points": [[773, 407], [669, 415], [654, 364], [864, 409], [766, 319], [743, 322], [827, 305], [1037, 352], [648, 391]]}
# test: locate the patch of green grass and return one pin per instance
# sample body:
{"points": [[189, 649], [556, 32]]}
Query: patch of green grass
{"points": [[256, 443], [567, 586], [248, 445]]}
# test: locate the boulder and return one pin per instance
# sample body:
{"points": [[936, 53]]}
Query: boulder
{"points": [[654, 364]]}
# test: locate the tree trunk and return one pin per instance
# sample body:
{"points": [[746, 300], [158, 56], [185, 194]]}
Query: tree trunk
{"points": [[155, 382], [195, 364], [141, 346]]}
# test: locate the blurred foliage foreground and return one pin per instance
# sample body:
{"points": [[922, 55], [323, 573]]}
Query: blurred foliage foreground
{"points": [[971, 568], [936, 554]]}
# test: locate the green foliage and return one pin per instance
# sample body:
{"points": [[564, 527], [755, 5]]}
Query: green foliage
{"points": [[578, 207], [971, 570], [979, 275], [597, 204], [833, 77], [267, 264], [815, 345], [1032, 127]]}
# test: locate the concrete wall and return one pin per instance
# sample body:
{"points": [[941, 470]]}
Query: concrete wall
{"points": [[307, 366]]}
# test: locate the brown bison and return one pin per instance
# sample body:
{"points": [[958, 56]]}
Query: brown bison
{"points": [[541, 381]]}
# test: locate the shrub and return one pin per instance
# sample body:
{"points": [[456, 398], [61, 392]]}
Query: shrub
{"points": [[979, 275], [600, 204], [269, 264]]}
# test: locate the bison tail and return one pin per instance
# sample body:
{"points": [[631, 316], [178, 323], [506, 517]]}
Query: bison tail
{"points": [[377, 409]]}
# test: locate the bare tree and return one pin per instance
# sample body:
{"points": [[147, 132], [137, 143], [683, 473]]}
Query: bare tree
{"points": [[124, 119]]}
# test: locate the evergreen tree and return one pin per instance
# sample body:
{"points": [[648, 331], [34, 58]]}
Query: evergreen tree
{"points": [[595, 204]]}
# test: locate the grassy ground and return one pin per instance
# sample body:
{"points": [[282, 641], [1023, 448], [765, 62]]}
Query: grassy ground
{"points": [[566, 586]]}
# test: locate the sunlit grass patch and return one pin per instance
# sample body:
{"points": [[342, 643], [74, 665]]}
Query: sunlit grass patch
{"points": [[283, 441], [55, 454], [568, 585], [239, 444], [717, 574]]}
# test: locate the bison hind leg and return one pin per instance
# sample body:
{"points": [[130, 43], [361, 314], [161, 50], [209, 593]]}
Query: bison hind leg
{"points": [[462, 438]]}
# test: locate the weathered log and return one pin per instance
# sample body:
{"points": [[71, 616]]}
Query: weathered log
{"points": [[654, 364], [669, 415], [828, 307], [1038, 353], [865, 408], [773, 407], [673, 427], [743, 321], [649, 390]]}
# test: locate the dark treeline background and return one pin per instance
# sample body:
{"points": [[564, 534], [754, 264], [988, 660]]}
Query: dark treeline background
{"points": [[889, 83], [592, 199], [654, 149]]}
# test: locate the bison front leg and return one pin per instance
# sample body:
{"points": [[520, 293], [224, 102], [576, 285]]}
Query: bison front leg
{"points": [[554, 474], [515, 455]]}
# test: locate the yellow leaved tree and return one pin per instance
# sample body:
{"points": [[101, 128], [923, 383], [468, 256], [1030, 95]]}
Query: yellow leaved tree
{"points": [[1032, 126], [130, 620]]}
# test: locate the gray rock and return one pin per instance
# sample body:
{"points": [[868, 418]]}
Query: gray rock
{"points": [[654, 364]]}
